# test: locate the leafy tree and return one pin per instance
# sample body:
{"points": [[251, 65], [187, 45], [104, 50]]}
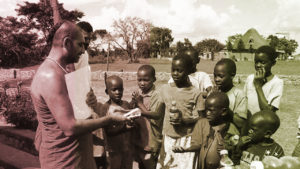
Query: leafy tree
{"points": [[183, 46], [229, 46], [209, 45], [274, 41], [21, 40], [241, 46], [127, 32], [160, 40], [288, 46]]}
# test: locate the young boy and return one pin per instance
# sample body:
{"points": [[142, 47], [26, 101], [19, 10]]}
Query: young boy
{"points": [[224, 73], [263, 125], [209, 133], [116, 136], [263, 89], [200, 80], [149, 132]]}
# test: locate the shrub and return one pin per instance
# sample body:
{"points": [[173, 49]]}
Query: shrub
{"points": [[20, 111]]}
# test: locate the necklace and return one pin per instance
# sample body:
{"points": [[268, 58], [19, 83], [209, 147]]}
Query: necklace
{"points": [[57, 64]]}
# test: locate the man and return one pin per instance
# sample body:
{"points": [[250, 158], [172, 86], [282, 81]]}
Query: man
{"points": [[58, 131], [83, 61]]}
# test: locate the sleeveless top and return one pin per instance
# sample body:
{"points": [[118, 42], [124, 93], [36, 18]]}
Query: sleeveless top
{"points": [[55, 149]]}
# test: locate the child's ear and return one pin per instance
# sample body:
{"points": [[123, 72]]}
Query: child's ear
{"points": [[224, 112], [154, 79], [106, 91]]}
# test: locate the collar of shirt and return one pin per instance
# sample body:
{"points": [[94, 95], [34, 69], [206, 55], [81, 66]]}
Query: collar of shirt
{"points": [[149, 94]]}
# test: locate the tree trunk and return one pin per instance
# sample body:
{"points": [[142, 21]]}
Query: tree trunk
{"points": [[56, 14]]}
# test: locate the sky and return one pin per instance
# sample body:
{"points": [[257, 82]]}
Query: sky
{"points": [[192, 19]]}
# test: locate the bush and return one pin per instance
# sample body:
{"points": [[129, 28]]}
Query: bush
{"points": [[20, 111]]}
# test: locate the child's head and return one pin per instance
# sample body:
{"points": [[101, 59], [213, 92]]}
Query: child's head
{"points": [[181, 68], [194, 56], [146, 77], [265, 58], [217, 105], [114, 88], [263, 125], [224, 73]]}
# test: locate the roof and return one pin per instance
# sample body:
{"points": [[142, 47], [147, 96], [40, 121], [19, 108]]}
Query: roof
{"points": [[252, 36]]}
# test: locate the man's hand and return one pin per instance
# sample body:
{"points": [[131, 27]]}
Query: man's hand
{"points": [[259, 77], [178, 149], [91, 99]]}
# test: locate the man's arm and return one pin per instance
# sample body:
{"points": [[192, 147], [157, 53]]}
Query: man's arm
{"points": [[54, 92]]}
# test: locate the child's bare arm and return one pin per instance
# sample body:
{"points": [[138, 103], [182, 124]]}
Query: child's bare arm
{"points": [[180, 149], [156, 113], [259, 81]]}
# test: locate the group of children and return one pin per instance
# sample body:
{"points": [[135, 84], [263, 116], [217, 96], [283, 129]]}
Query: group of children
{"points": [[207, 119]]}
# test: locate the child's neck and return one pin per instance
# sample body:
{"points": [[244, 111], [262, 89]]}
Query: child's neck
{"points": [[269, 76], [147, 91], [266, 142], [183, 84], [119, 103], [227, 88]]}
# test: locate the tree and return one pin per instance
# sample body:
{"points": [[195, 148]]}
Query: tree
{"points": [[127, 32], [229, 46], [241, 46], [21, 43], [209, 45], [160, 40], [288, 46], [183, 46]]}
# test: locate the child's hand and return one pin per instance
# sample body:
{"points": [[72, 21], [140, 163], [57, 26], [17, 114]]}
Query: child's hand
{"points": [[137, 97], [130, 124], [178, 149], [91, 99], [259, 77], [244, 140]]}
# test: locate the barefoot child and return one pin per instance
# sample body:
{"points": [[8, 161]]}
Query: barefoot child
{"points": [[177, 129], [149, 131], [209, 133], [262, 126], [117, 136], [224, 73], [263, 89]]}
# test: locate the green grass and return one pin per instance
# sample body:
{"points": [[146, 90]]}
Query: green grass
{"points": [[163, 65]]}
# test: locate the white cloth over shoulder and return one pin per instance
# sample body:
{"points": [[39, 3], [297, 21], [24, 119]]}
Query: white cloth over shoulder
{"points": [[200, 80], [83, 61], [78, 85], [272, 90]]}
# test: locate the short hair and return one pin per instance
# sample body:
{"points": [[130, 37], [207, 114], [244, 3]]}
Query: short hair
{"points": [[269, 51], [187, 62], [269, 119], [87, 27], [194, 54], [148, 68], [108, 79], [221, 97], [66, 29], [229, 64]]}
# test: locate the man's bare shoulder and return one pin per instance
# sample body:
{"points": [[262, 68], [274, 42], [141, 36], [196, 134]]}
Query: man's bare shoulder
{"points": [[46, 78]]}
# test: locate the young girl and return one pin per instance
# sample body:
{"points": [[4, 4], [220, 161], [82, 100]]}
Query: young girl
{"points": [[189, 102], [263, 89]]}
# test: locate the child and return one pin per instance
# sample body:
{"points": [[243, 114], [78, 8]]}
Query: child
{"points": [[149, 132], [263, 89], [200, 80], [117, 136], [177, 131], [262, 126], [224, 73], [209, 133], [296, 151]]}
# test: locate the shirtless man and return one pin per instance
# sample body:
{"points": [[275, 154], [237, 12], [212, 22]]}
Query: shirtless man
{"points": [[58, 131]]}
